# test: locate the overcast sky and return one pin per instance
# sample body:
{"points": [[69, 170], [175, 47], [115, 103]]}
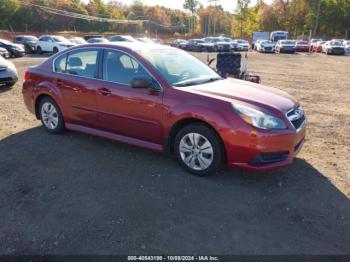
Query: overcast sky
{"points": [[228, 5]]}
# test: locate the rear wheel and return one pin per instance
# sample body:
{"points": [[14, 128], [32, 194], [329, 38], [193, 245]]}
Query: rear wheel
{"points": [[198, 149], [39, 50], [51, 116]]}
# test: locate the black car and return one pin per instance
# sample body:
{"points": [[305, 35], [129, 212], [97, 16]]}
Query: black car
{"points": [[16, 50], [122, 38], [28, 41]]}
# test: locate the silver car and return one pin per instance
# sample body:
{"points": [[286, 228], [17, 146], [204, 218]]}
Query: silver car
{"points": [[8, 73]]}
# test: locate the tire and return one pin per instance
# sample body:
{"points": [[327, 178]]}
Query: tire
{"points": [[39, 50], [55, 50], [51, 116], [204, 156]]}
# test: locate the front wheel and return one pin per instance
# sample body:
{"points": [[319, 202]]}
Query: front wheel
{"points": [[51, 116], [55, 50], [199, 149]]}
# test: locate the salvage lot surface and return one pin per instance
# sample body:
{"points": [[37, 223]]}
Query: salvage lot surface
{"points": [[78, 194]]}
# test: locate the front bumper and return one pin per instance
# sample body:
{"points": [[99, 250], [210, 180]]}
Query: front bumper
{"points": [[287, 50], [255, 150], [7, 78], [5, 54]]}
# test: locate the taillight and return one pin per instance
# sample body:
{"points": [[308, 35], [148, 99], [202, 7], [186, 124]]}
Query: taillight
{"points": [[26, 75]]}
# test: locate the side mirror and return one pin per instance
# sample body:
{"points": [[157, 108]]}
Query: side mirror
{"points": [[141, 82]]}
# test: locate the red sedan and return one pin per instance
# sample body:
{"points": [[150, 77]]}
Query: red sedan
{"points": [[302, 46], [318, 47], [162, 98]]}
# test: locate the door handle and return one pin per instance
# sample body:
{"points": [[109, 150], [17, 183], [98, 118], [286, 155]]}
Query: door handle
{"points": [[104, 91], [59, 82]]}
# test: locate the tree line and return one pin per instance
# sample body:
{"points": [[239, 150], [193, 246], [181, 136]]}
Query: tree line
{"points": [[299, 17]]}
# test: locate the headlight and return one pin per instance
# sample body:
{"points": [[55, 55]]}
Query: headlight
{"points": [[258, 119]]}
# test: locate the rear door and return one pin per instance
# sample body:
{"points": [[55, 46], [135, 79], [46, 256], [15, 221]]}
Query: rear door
{"points": [[76, 74]]}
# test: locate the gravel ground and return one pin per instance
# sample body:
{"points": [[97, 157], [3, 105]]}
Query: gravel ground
{"points": [[78, 194]]}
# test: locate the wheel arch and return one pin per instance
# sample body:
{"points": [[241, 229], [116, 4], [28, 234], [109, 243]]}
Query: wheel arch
{"points": [[177, 126]]}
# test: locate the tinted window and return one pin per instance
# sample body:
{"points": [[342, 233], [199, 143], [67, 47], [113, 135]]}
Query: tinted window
{"points": [[44, 39], [82, 63], [60, 64], [120, 68]]}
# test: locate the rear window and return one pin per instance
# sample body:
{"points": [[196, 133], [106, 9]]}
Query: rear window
{"points": [[60, 64], [82, 63]]}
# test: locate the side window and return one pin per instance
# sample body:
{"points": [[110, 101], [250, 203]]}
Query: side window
{"points": [[43, 39], [120, 68], [60, 64], [82, 63]]}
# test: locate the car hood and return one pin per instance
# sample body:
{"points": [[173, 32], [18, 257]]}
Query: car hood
{"points": [[236, 91]]}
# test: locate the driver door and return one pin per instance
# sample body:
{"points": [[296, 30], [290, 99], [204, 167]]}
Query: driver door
{"points": [[132, 112]]}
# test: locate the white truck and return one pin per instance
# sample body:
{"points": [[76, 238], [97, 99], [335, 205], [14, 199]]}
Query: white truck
{"points": [[275, 36], [259, 36]]}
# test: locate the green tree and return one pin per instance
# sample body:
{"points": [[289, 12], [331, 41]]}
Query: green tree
{"points": [[192, 6]]}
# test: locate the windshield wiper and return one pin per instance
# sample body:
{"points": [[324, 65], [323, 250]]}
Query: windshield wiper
{"points": [[192, 82]]}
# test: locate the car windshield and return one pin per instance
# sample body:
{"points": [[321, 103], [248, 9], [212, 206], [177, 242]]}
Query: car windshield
{"points": [[180, 68], [226, 39], [288, 42], [266, 42], [59, 39], [335, 43], [302, 43], [30, 38]]}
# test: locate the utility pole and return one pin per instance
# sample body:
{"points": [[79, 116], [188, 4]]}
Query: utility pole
{"points": [[317, 17]]}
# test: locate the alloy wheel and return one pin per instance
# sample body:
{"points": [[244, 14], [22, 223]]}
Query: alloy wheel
{"points": [[196, 151], [49, 115]]}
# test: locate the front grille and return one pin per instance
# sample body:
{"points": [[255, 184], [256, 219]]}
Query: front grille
{"points": [[269, 158], [6, 80], [297, 117]]}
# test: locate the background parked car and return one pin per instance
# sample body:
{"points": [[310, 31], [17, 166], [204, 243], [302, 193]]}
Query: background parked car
{"points": [[313, 42], [52, 43], [285, 46], [97, 40], [347, 47], [122, 38], [333, 47], [242, 45], [179, 43], [16, 50], [302, 46], [4, 53], [265, 46], [77, 40], [318, 46], [8, 73], [28, 41], [233, 44], [194, 45], [218, 44]]}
